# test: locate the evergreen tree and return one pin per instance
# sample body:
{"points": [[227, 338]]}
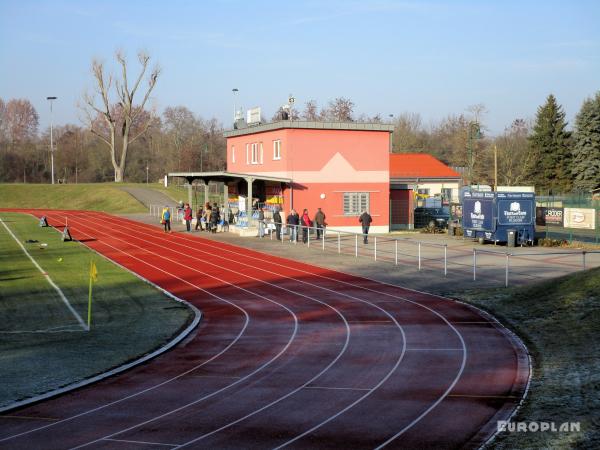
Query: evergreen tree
{"points": [[586, 151], [549, 161]]}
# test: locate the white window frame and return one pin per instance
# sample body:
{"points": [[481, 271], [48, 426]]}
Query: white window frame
{"points": [[354, 203], [277, 150], [261, 153], [233, 154], [247, 154]]}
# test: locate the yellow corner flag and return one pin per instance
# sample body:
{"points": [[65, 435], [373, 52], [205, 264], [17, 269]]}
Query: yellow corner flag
{"points": [[93, 279], [93, 271]]}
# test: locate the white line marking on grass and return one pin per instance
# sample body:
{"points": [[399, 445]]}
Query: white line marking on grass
{"points": [[60, 292]]}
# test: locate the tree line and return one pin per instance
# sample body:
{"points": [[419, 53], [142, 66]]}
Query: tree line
{"points": [[122, 139]]}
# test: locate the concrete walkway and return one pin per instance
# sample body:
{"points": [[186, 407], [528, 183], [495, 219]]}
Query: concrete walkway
{"points": [[148, 196]]}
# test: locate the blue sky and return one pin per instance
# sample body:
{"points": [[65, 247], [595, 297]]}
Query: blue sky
{"points": [[430, 57]]}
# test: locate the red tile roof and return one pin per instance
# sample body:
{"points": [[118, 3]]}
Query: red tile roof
{"points": [[419, 165]]}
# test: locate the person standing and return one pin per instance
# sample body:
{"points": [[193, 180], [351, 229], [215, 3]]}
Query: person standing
{"points": [[261, 223], [207, 213], [365, 220], [199, 215], [277, 221], [166, 219], [320, 223], [214, 219], [292, 223], [306, 223], [187, 216]]}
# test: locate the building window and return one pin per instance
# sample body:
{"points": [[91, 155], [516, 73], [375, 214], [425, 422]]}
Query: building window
{"points": [[277, 149], [254, 159], [233, 154], [446, 195], [423, 192], [355, 203], [261, 153]]}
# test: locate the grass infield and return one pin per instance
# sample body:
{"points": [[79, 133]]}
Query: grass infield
{"points": [[42, 346], [559, 321]]}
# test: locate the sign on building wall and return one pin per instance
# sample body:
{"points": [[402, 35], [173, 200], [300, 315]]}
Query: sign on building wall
{"points": [[584, 218]]}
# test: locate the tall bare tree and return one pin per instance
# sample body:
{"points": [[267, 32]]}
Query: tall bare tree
{"points": [[122, 122]]}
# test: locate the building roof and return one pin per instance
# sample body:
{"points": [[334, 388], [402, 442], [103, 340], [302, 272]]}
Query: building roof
{"points": [[225, 176], [300, 124], [419, 166]]}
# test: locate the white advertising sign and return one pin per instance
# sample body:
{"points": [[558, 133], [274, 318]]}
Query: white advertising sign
{"points": [[584, 218]]}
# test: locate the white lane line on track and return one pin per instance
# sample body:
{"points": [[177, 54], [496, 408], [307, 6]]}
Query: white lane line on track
{"points": [[342, 351], [162, 239], [48, 279], [464, 347], [140, 442], [212, 358], [434, 349], [328, 388], [394, 368]]}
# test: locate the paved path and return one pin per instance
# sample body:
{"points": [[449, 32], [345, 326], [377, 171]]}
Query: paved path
{"points": [[148, 196], [287, 355]]}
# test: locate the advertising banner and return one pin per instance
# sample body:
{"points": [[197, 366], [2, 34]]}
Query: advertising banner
{"points": [[549, 216], [584, 218], [515, 212], [478, 213]]}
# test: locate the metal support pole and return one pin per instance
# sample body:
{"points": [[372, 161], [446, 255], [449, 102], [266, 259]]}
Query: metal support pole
{"points": [[396, 251], [356, 245], [474, 264], [506, 270], [375, 248], [339, 243], [419, 256], [445, 259], [583, 256]]}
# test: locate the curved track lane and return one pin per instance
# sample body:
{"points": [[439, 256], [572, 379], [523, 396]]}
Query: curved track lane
{"points": [[287, 355]]}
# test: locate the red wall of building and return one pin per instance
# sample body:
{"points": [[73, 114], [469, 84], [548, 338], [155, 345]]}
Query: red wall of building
{"points": [[328, 162]]}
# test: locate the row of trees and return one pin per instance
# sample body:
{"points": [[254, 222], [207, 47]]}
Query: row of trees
{"points": [[541, 152], [177, 140], [123, 139]]}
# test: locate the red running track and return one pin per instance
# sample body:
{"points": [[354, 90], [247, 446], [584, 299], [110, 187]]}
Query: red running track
{"points": [[286, 355]]}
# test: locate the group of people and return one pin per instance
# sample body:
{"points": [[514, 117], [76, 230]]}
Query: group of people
{"points": [[207, 217], [295, 222]]}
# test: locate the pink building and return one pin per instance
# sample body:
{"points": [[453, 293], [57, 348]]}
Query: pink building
{"points": [[342, 168]]}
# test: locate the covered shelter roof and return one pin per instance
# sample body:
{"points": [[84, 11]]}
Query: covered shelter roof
{"points": [[226, 176]]}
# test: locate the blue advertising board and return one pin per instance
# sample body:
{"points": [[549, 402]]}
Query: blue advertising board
{"points": [[478, 211]]}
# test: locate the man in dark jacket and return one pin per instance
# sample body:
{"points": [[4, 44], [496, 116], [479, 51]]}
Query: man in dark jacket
{"points": [[277, 221], [319, 222], [292, 222], [365, 220]]}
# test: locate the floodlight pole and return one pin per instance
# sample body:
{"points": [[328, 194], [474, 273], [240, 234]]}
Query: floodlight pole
{"points": [[235, 91], [51, 99]]}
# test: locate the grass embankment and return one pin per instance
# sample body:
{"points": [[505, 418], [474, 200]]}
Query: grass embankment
{"points": [[95, 197], [559, 320], [130, 317]]}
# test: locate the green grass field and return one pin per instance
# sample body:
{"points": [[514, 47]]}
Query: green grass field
{"points": [[130, 317], [559, 320], [95, 197]]}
